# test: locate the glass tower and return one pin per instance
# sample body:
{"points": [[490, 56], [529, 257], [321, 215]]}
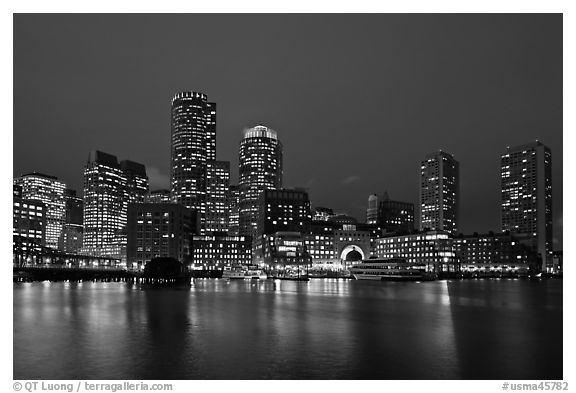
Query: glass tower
{"points": [[108, 188], [260, 169], [47, 189], [193, 146], [218, 181], [439, 193], [527, 196]]}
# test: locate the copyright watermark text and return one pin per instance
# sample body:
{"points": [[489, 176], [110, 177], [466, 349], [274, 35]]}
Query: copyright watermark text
{"points": [[84, 386]]}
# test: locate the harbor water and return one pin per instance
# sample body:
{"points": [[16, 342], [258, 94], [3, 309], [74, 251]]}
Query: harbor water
{"points": [[273, 329]]}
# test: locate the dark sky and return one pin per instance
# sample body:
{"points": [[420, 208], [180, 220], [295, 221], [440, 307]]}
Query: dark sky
{"points": [[357, 100]]}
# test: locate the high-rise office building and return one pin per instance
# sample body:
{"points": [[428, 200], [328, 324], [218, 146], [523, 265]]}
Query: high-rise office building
{"points": [[233, 210], [210, 131], [394, 216], [29, 218], [260, 169], [193, 145], [439, 193], [49, 190], [107, 192], [70, 240], [527, 196], [372, 211], [217, 184]]}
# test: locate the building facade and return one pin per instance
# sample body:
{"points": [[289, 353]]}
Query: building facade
{"points": [[50, 191], [193, 145], [372, 210], [527, 196], [107, 194], [493, 248], [218, 183], [28, 227], [159, 230], [439, 193], [431, 248], [219, 251], [158, 196], [395, 216], [70, 240], [233, 205], [260, 169]]}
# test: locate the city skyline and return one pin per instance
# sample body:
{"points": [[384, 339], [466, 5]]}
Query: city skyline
{"points": [[340, 170]]}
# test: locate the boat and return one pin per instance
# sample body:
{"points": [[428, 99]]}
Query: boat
{"points": [[394, 269], [250, 272]]}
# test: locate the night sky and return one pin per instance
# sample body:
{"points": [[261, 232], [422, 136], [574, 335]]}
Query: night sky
{"points": [[357, 100]]}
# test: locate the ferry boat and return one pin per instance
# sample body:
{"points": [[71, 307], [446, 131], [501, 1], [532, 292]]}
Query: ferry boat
{"points": [[395, 269], [251, 272]]}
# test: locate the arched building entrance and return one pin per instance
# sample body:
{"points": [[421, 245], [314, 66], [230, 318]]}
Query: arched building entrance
{"points": [[352, 253]]}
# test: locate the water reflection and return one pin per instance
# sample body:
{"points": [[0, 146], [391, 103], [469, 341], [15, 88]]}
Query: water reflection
{"points": [[323, 329]]}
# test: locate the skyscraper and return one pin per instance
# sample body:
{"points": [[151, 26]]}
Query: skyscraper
{"points": [[527, 196], [70, 240], [395, 216], [232, 204], [217, 184], [260, 169], [439, 192], [372, 211], [193, 145], [107, 192], [47, 189]]}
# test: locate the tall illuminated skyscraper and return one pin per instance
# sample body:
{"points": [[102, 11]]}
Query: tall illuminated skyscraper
{"points": [[233, 202], [108, 188], [260, 169], [218, 181], [527, 196], [47, 189], [193, 145], [439, 192]]}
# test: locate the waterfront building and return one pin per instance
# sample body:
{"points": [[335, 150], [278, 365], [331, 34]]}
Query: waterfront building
{"points": [[283, 210], [193, 145], [159, 230], [527, 196], [431, 248], [372, 211], [233, 205], [158, 196], [218, 251], [107, 192], [217, 188], [320, 245], [493, 248], [351, 245], [439, 193], [260, 158], [395, 216], [28, 226], [284, 253], [50, 191]]}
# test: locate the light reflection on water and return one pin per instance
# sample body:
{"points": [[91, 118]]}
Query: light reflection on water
{"points": [[322, 329]]}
